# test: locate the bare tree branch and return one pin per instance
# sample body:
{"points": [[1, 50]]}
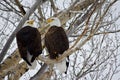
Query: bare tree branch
{"points": [[40, 72], [20, 7], [53, 6]]}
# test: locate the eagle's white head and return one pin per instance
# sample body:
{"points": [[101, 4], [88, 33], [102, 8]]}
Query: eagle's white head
{"points": [[29, 23], [54, 21]]}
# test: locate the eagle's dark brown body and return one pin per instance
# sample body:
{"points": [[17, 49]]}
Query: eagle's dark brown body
{"points": [[29, 40], [56, 41]]}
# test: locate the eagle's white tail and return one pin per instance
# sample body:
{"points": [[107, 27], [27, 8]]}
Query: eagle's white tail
{"points": [[34, 63], [61, 66]]}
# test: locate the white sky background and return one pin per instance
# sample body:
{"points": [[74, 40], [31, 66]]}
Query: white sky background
{"points": [[59, 4], [116, 12]]}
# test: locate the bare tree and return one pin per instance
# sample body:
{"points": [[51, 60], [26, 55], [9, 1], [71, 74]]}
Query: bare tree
{"points": [[92, 28]]}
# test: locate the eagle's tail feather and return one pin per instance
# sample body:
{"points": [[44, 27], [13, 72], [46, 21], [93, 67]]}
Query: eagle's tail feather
{"points": [[31, 60], [33, 65], [61, 66]]}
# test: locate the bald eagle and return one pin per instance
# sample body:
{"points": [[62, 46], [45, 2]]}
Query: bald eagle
{"points": [[29, 43], [56, 42]]}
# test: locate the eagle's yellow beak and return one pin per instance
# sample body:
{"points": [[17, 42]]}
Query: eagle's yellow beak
{"points": [[49, 20], [30, 22]]}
